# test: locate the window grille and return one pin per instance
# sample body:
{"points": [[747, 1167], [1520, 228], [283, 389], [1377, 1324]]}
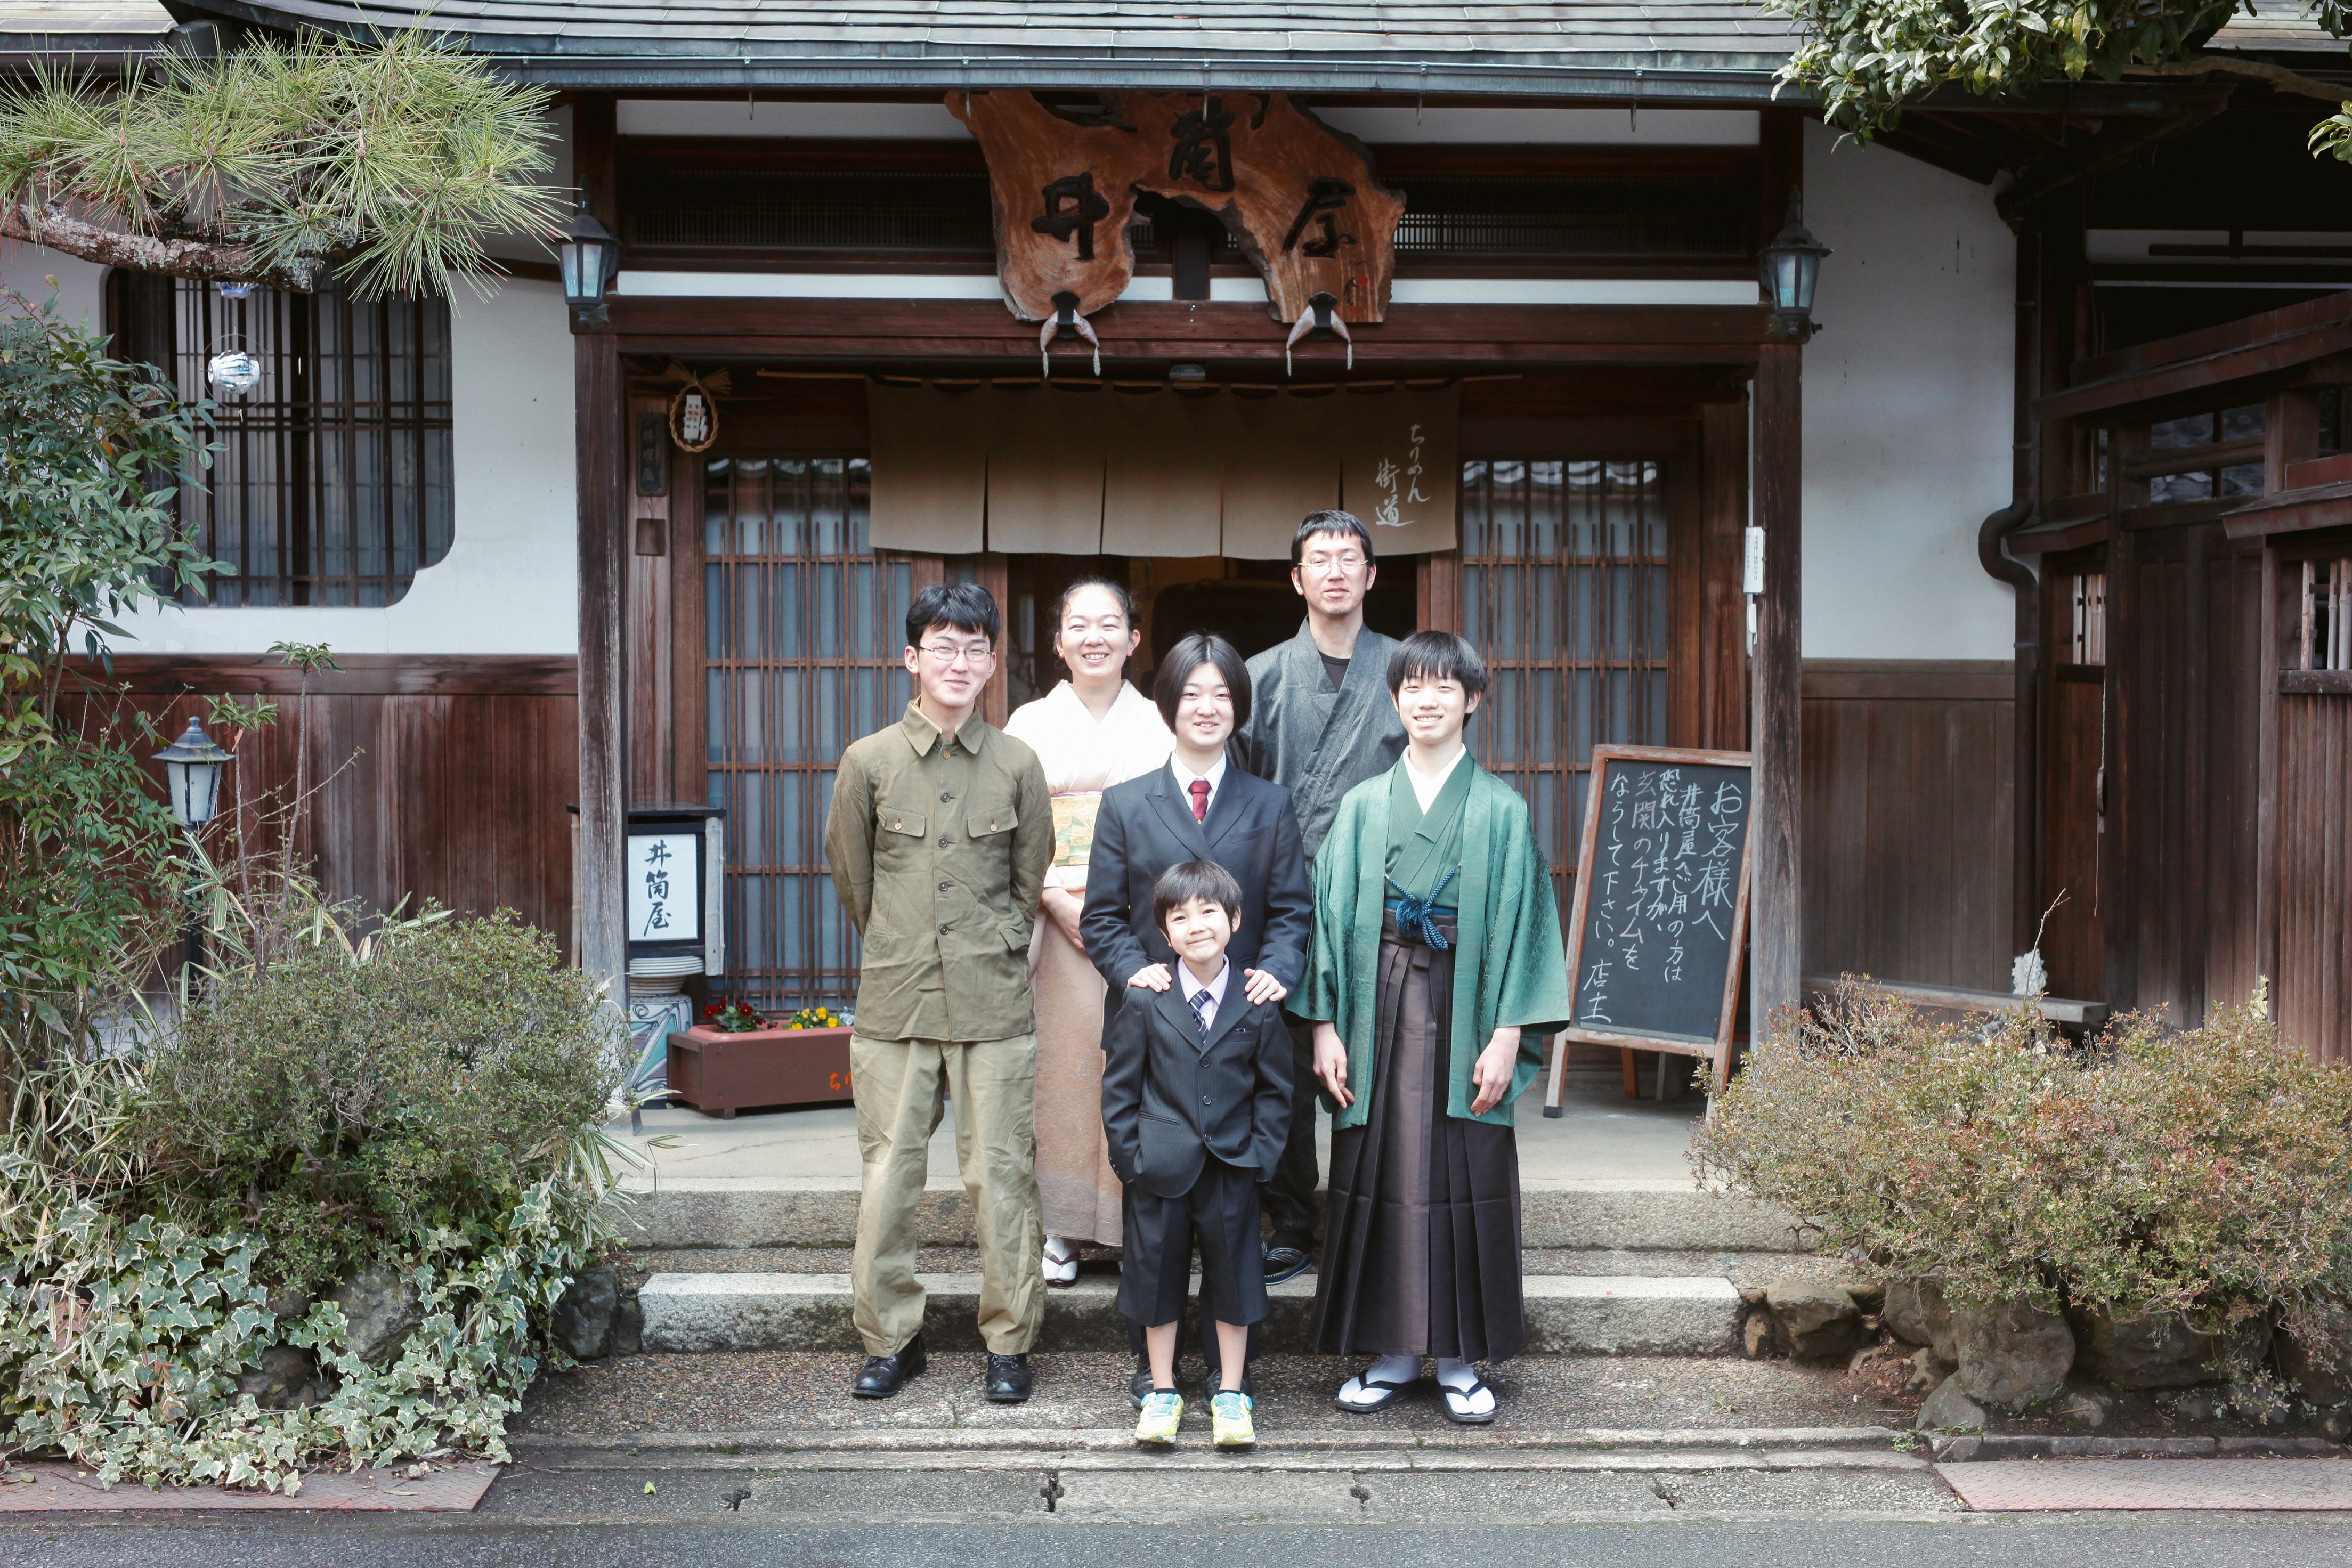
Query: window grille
{"points": [[1577, 218], [2087, 640], [803, 629], [331, 486], [2326, 642], [1564, 587]]}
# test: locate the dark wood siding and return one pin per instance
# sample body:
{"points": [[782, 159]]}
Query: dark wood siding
{"points": [[2185, 751], [443, 778], [1908, 802], [2314, 959]]}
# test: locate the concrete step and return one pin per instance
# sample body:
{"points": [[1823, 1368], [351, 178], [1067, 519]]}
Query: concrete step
{"points": [[822, 1211], [1567, 1314]]}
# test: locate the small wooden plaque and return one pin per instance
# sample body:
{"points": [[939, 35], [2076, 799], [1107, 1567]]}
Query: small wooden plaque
{"points": [[719, 1073]]}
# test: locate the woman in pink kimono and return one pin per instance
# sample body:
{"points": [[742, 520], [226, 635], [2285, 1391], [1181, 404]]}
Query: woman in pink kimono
{"points": [[1090, 732]]}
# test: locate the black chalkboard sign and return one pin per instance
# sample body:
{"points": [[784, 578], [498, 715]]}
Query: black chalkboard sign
{"points": [[1660, 918]]}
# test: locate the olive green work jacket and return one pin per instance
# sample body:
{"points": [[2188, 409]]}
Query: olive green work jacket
{"points": [[938, 847]]}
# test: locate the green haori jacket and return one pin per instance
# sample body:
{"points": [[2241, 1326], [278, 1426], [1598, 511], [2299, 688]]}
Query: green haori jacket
{"points": [[1511, 967]]}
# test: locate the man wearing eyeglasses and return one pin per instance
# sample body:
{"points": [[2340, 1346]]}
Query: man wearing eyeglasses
{"points": [[1321, 722], [940, 833]]}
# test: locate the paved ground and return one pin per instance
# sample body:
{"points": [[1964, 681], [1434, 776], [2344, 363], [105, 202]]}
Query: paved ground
{"points": [[1463, 1523], [744, 1391], [1604, 1137]]}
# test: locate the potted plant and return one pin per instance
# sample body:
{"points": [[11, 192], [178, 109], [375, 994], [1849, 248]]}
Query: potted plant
{"points": [[735, 1058]]}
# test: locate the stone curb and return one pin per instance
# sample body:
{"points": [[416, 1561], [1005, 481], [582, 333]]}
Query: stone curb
{"points": [[1975, 1445], [822, 1211], [1700, 1445], [1567, 1314]]}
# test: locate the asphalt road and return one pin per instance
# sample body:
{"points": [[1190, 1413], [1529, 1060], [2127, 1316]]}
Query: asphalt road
{"points": [[483, 1541]]}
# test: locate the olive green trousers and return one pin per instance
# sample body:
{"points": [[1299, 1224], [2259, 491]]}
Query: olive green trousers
{"points": [[900, 1087]]}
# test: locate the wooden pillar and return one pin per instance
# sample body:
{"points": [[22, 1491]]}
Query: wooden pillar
{"points": [[601, 459], [1776, 940]]}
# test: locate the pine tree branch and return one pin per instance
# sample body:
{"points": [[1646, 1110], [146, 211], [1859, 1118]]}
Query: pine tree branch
{"points": [[50, 226], [2277, 77]]}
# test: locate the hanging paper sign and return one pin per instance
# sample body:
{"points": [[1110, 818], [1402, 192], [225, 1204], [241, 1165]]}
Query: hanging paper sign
{"points": [[664, 887], [1300, 198]]}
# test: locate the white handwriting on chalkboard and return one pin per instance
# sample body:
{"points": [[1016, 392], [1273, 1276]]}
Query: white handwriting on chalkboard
{"points": [[1668, 869]]}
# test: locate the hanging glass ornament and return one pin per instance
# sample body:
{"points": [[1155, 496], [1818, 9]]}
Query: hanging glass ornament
{"points": [[232, 371]]}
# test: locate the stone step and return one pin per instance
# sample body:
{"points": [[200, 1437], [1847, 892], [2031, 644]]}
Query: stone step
{"points": [[822, 1211], [1567, 1314]]}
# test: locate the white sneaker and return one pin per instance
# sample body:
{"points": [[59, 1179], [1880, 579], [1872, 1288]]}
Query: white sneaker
{"points": [[1061, 1262]]}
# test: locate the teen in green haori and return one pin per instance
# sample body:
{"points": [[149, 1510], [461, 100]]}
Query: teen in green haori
{"points": [[1437, 973]]}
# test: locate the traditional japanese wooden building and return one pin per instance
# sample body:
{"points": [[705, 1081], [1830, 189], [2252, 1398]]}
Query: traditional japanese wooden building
{"points": [[2058, 547]]}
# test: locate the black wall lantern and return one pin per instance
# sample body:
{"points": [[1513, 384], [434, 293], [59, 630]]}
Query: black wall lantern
{"points": [[591, 259], [1789, 268]]}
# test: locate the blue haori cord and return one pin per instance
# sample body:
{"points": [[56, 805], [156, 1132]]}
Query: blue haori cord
{"points": [[1417, 916]]}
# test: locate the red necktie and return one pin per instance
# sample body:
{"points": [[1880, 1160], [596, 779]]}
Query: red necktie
{"points": [[1199, 788]]}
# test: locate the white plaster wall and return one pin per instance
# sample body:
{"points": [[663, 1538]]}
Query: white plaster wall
{"points": [[1907, 409], [27, 268], [508, 584]]}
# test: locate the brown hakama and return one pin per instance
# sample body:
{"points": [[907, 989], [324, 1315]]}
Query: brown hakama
{"points": [[1421, 1251]]}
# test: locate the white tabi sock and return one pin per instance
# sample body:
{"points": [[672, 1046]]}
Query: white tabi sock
{"points": [[1460, 1376], [1393, 1369]]}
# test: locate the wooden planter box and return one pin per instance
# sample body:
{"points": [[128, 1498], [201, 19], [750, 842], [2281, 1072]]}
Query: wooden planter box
{"points": [[720, 1073]]}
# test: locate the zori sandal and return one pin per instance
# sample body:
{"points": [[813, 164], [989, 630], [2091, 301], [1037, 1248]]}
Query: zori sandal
{"points": [[1461, 1404], [1369, 1395]]}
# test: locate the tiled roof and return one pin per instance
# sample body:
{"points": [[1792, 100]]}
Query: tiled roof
{"points": [[1686, 48], [50, 26]]}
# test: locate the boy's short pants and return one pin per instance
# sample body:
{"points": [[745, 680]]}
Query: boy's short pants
{"points": [[1156, 1259]]}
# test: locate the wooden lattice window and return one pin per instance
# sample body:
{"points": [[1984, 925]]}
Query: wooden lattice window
{"points": [[804, 628], [331, 486], [2087, 635], [1564, 590], [2206, 456], [2324, 637]]}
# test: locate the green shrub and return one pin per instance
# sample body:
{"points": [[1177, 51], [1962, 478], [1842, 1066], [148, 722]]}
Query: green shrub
{"points": [[428, 1100], [339, 1107], [2200, 1172]]}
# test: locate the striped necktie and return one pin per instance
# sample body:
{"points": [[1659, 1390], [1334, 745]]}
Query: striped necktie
{"points": [[1204, 1007]]}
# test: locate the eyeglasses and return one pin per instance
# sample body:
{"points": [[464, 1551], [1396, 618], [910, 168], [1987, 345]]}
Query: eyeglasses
{"points": [[971, 655], [1348, 561]]}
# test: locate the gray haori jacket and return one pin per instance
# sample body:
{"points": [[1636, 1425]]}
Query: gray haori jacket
{"points": [[1316, 743]]}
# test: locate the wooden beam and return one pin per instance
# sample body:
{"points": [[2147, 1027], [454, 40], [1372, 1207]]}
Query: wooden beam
{"points": [[598, 406], [596, 167], [865, 332], [1776, 969], [358, 675]]}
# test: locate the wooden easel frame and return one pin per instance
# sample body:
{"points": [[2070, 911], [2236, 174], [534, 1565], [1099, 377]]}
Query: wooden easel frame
{"points": [[1602, 756]]}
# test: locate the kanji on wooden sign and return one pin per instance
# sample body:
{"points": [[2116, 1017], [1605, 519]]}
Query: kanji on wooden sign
{"points": [[1300, 198]]}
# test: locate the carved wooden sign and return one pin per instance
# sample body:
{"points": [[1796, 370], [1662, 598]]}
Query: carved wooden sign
{"points": [[1300, 198]]}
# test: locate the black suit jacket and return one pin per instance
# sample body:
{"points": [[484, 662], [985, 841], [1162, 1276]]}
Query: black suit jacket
{"points": [[1171, 1099], [1145, 825]]}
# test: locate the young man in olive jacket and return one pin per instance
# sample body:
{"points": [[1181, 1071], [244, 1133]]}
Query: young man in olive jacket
{"points": [[941, 832]]}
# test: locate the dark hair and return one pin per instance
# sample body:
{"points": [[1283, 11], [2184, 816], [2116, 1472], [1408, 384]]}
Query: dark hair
{"points": [[1190, 652], [1437, 656], [1189, 880], [1116, 589], [1331, 522], [965, 606]]}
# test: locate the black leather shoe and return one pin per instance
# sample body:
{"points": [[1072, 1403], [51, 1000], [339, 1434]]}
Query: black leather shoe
{"points": [[1009, 1380], [1138, 1387], [884, 1373]]}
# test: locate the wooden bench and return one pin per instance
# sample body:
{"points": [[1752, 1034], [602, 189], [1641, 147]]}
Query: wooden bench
{"points": [[2057, 1010]]}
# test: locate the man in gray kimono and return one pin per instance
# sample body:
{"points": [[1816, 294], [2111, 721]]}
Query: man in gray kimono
{"points": [[1320, 723]]}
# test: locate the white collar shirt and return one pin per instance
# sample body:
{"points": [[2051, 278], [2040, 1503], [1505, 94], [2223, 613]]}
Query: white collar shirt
{"points": [[1184, 777], [1214, 990]]}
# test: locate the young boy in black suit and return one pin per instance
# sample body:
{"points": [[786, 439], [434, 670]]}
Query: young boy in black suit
{"points": [[1196, 1103]]}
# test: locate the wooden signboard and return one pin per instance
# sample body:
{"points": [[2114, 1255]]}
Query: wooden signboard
{"points": [[1660, 918], [1300, 198]]}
